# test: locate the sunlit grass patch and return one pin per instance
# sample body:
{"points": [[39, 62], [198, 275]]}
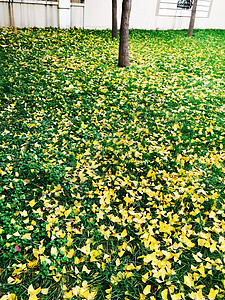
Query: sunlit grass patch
{"points": [[112, 180]]}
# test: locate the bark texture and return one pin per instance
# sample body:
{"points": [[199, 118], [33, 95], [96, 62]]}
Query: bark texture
{"points": [[11, 19], [124, 34], [192, 20], [114, 19]]}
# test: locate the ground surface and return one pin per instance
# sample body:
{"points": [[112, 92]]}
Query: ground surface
{"points": [[112, 180]]}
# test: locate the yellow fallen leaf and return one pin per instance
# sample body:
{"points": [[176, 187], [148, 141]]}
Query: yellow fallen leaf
{"points": [[32, 203], [54, 251], [202, 270], [68, 295], [33, 297], [85, 249], [147, 290], [24, 213], [35, 252], [199, 295], [11, 280], [212, 294], [188, 281], [69, 241], [124, 233], [11, 297], [196, 258], [121, 253], [32, 291], [176, 296], [76, 260], [92, 295], [57, 277], [145, 277], [223, 282], [171, 289], [108, 291], [30, 227], [27, 236], [164, 294], [84, 293], [117, 262], [41, 249], [188, 242], [82, 177], [148, 258], [26, 221], [85, 269], [44, 291], [32, 264], [196, 296], [213, 247], [70, 253], [16, 234], [175, 126], [103, 266]]}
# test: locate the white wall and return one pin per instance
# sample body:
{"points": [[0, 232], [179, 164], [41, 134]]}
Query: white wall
{"points": [[4, 14], [31, 14], [217, 16], [77, 13], [144, 15], [97, 15]]}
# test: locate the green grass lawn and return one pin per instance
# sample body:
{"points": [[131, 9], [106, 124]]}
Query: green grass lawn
{"points": [[112, 180]]}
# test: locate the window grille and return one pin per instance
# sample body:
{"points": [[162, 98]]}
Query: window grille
{"points": [[182, 8], [72, 1], [77, 1], [185, 4]]}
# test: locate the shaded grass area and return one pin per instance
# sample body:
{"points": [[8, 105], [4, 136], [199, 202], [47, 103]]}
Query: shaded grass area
{"points": [[112, 180]]}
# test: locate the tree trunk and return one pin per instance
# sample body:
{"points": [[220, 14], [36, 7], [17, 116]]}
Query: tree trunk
{"points": [[124, 34], [11, 19], [192, 20], [114, 19]]}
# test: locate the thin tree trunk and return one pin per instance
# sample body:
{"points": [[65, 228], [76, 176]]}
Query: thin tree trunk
{"points": [[114, 19], [124, 34], [11, 19], [192, 20]]}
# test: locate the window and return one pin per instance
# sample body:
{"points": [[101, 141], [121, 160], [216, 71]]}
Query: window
{"points": [[182, 8], [185, 4], [77, 1]]}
